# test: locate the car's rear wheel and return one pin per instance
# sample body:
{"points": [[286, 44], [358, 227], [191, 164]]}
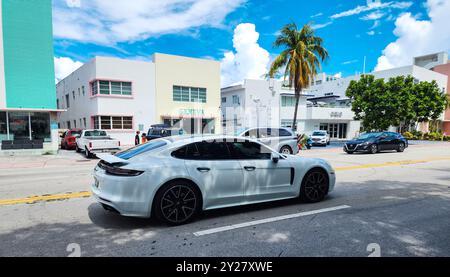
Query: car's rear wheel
{"points": [[77, 148], [374, 149], [87, 153], [286, 150], [315, 186], [401, 147], [177, 203]]}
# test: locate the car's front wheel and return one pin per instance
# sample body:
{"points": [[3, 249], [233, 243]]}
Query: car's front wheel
{"points": [[373, 149], [286, 150], [401, 147], [177, 203], [315, 186]]}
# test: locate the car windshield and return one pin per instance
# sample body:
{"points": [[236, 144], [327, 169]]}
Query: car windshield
{"points": [[140, 149], [319, 134], [76, 134], [369, 135], [95, 133]]}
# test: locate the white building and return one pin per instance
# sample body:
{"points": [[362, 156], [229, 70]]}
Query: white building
{"points": [[265, 103], [123, 96], [323, 105]]}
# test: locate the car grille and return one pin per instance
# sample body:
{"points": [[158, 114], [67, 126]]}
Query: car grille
{"points": [[351, 146], [316, 139]]}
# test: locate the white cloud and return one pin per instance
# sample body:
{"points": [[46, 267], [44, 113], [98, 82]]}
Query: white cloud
{"points": [[320, 26], [338, 75], [64, 66], [109, 22], [418, 37], [316, 15], [371, 33], [373, 16], [349, 62], [371, 6], [248, 61]]}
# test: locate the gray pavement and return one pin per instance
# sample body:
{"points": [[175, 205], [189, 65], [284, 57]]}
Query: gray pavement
{"points": [[399, 201]]}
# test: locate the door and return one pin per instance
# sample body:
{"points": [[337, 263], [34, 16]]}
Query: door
{"points": [[210, 165], [263, 178]]}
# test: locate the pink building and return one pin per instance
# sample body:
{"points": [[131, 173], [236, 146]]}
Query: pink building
{"points": [[445, 69]]}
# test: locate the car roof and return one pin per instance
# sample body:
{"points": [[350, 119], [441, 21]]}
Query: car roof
{"points": [[177, 141]]}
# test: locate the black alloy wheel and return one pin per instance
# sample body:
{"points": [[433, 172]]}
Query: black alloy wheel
{"points": [[177, 203], [373, 149], [315, 186], [401, 147]]}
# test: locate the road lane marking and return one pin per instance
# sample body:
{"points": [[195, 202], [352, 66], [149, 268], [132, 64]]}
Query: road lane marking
{"points": [[267, 220], [56, 197], [45, 198], [387, 164]]}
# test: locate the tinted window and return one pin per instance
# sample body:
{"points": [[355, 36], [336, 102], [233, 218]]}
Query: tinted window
{"points": [[206, 150], [251, 133], [143, 148], [76, 134], [319, 134], [247, 150], [284, 133]]}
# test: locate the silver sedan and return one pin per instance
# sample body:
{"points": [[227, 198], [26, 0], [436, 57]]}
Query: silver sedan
{"points": [[175, 178]]}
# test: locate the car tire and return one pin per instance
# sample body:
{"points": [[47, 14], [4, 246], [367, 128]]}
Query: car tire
{"points": [[315, 186], [401, 147], [329, 142], [286, 150], [175, 199], [373, 149], [87, 153], [78, 150], [350, 152]]}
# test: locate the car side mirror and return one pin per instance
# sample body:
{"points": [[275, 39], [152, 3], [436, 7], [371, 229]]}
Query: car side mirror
{"points": [[275, 157]]}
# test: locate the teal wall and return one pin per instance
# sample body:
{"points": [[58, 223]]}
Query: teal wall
{"points": [[28, 54]]}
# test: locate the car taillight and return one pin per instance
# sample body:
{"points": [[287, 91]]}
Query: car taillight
{"points": [[123, 172], [90, 145]]}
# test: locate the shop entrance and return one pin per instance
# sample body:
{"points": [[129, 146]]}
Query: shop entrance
{"points": [[192, 125], [336, 130]]}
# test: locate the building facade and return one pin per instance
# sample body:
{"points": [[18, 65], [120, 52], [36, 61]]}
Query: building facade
{"points": [[443, 67], [267, 103], [125, 96], [27, 93]]}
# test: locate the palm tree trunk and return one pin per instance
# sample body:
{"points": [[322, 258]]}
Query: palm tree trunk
{"points": [[297, 101]]}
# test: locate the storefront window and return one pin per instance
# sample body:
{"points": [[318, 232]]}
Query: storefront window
{"points": [[19, 127], [3, 127], [40, 126]]}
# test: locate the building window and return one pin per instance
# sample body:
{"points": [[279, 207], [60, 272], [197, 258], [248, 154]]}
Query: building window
{"points": [[3, 127], [67, 101], [73, 95], [236, 100], [74, 124], [68, 125], [189, 94], [111, 88], [40, 126], [57, 104], [113, 122], [84, 122], [287, 101], [83, 90], [224, 100]]}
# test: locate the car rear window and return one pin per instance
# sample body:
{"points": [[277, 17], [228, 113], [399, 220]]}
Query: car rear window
{"points": [[95, 134], [140, 149], [318, 134]]}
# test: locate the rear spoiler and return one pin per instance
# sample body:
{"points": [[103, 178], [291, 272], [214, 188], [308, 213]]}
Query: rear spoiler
{"points": [[111, 159]]}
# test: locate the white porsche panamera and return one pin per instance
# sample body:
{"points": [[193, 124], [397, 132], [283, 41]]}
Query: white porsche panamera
{"points": [[177, 177]]}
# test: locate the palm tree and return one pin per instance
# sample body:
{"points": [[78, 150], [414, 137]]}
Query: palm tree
{"points": [[300, 59]]}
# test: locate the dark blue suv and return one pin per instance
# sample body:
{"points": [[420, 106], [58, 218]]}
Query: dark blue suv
{"points": [[376, 142]]}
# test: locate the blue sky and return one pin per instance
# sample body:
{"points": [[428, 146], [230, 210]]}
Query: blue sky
{"points": [[351, 29]]}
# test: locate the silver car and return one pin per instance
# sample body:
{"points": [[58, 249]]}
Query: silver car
{"points": [[284, 140], [174, 178]]}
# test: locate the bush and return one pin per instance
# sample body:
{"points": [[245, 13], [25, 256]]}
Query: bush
{"points": [[446, 138], [433, 136], [417, 135], [408, 135]]}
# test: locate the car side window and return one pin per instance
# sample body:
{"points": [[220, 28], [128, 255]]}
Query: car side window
{"points": [[284, 133], [247, 150], [213, 150]]}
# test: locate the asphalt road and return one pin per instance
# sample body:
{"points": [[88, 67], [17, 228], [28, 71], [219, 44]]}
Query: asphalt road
{"points": [[397, 203]]}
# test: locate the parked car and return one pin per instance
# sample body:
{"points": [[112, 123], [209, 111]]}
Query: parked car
{"points": [[162, 131], [174, 178], [376, 142], [96, 141], [283, 140], [69, 138], [320, 138]]}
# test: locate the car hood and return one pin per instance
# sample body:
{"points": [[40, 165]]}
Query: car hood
{"points": [[359, 141]]}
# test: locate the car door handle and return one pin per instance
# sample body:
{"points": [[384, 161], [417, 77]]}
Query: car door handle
{"points": [[250, 168], [203, 169]]}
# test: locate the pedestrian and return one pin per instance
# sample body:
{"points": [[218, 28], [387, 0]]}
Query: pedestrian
{"points": [[144, 138], [137, 140]]}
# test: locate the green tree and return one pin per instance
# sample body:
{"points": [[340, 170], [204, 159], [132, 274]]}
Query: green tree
{"points": [[301, 58], [397, 102]]}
